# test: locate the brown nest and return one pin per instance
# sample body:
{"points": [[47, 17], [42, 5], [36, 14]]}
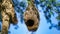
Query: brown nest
{"points": [[31, 19]]}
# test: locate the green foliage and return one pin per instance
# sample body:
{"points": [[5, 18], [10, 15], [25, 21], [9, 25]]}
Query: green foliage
{"points": [[42, 0], [50, 7], [50, 4], [22, 4], [58, 4], [52, 1], [51, 13], [58, 17]]}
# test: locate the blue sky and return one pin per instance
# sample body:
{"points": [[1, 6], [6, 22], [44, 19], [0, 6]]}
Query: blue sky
{"points": [[43, 25], [42, 29]]}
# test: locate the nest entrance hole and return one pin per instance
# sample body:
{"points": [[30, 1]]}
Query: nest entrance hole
{"points": [[30, 22]]}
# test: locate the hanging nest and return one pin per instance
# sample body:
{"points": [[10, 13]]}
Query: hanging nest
{"points": [[8, 15], [31, 17]]}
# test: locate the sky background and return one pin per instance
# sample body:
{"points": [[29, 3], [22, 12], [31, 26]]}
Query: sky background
{"points": [[43, 25]]}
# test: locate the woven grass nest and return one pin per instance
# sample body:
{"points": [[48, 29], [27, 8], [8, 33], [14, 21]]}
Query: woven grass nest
{"points": [[31, 18]]}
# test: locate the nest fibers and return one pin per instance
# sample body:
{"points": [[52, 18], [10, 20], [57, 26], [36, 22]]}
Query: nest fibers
{"points": [[31, 18]]}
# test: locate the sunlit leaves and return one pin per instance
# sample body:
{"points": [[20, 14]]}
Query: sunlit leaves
{"points": [[58, 26], [15, 2], [36, 2], [52, 1], [58, 17], [58, 4], [22, 4], [42, 0], [49, 8], [51, 13], [20, 7]]}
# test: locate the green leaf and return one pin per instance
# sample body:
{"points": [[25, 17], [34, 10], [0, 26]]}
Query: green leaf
{"points": [[58, 17], [22, 4], [42, 0], [58, 4], [51, 12]]}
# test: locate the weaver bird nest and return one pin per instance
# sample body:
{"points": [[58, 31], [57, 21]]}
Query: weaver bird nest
{"points": [[31, 18]]}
